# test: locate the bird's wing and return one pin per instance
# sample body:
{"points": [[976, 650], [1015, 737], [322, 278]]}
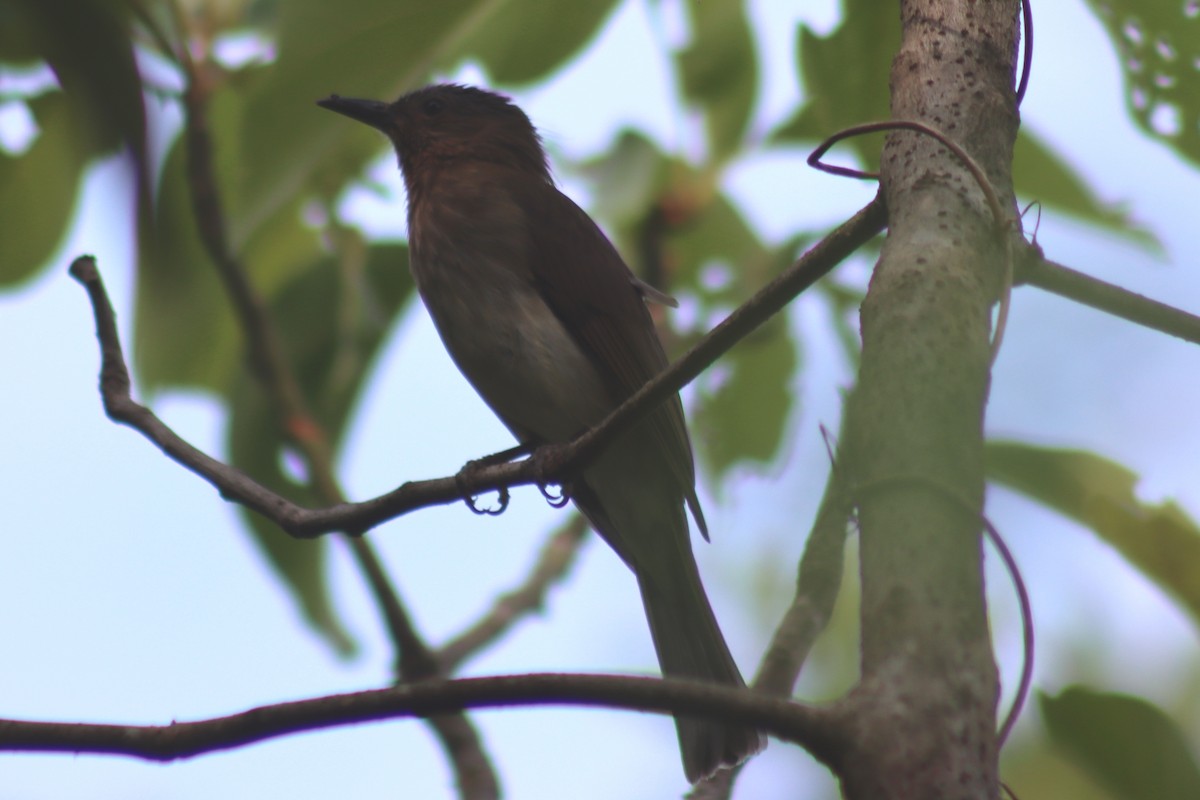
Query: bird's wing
{"points": [[585, 281]]}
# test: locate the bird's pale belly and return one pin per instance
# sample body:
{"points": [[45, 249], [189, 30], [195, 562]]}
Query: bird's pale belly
{"points": [[516, 353]]}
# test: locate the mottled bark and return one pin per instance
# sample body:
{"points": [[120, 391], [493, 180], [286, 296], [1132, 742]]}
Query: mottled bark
{"points": [[924, 713]]}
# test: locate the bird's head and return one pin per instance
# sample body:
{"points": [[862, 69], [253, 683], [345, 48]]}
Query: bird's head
{"points": [[449, 122]]}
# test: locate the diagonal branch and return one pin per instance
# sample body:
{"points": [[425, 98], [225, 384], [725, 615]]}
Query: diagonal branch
{"points": [[815, 264], [266, 352], [235, 485], [818, 582], [1036, 270], [820, 730]]}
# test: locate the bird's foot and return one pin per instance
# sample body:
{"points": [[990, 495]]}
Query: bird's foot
{"points": [[547, 462], [467, 479]]}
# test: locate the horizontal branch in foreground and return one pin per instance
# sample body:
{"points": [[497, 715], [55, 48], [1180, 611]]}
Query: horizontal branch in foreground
{"points": [[235, 485], [818, 729]]}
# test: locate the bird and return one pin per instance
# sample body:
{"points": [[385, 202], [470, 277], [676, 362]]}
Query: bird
{"points": [[543, 317]]}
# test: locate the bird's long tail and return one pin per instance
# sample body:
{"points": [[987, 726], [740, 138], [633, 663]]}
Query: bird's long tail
{"points": [[689, 645]]}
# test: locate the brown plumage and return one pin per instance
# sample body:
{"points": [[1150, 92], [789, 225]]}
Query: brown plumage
{"points": [[546, 321]]}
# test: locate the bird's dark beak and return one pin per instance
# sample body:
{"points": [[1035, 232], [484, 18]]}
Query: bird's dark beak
{"points": [[372, 112]]}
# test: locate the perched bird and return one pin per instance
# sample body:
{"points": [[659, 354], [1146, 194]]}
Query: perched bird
{"points": [[542, 316]]}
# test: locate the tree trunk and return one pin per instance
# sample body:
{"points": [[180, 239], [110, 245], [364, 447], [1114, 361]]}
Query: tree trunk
{"points": [[924, 711]]}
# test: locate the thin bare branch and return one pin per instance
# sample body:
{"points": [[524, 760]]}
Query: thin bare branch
{"points": [[818, 581], [553, 563], [267, 356], [818, 729], [235, 485], [1036, 270]]}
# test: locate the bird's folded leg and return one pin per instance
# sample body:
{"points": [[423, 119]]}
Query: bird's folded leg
{"points": [[465, 478]]}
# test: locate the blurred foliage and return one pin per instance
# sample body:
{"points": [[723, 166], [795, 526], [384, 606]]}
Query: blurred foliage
{"points": [[45, 177], [845, 78], [718, 71], [363, 289], [1030, 763], [689, 235], [1159, 539], [281, 166], [1158, 42], [1129, 746], [1042, 175], [520, 41], [99, 111]]}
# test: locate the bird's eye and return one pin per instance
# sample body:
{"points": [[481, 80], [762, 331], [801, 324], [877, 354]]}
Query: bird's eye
{"points": [[432, 106]]}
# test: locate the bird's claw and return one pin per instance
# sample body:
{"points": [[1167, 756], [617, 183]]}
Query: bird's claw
{"points": [[548, 461], [555, 500], [464, 480], [502, 493]]}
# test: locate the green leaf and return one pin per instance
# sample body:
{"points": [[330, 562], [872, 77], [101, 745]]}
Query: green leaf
{"points": [[1159, 45], [185, 332], [1041, 174], [364, 48], [625, 180], [38, 188], [87, 44], [333, 318], [20, 32], [719, 71], [845, 76], [696, 243], [677, 211], [707, 230], [519, 41], [1159, 539], [300, 565], [1131, 747], [745, 401]]}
